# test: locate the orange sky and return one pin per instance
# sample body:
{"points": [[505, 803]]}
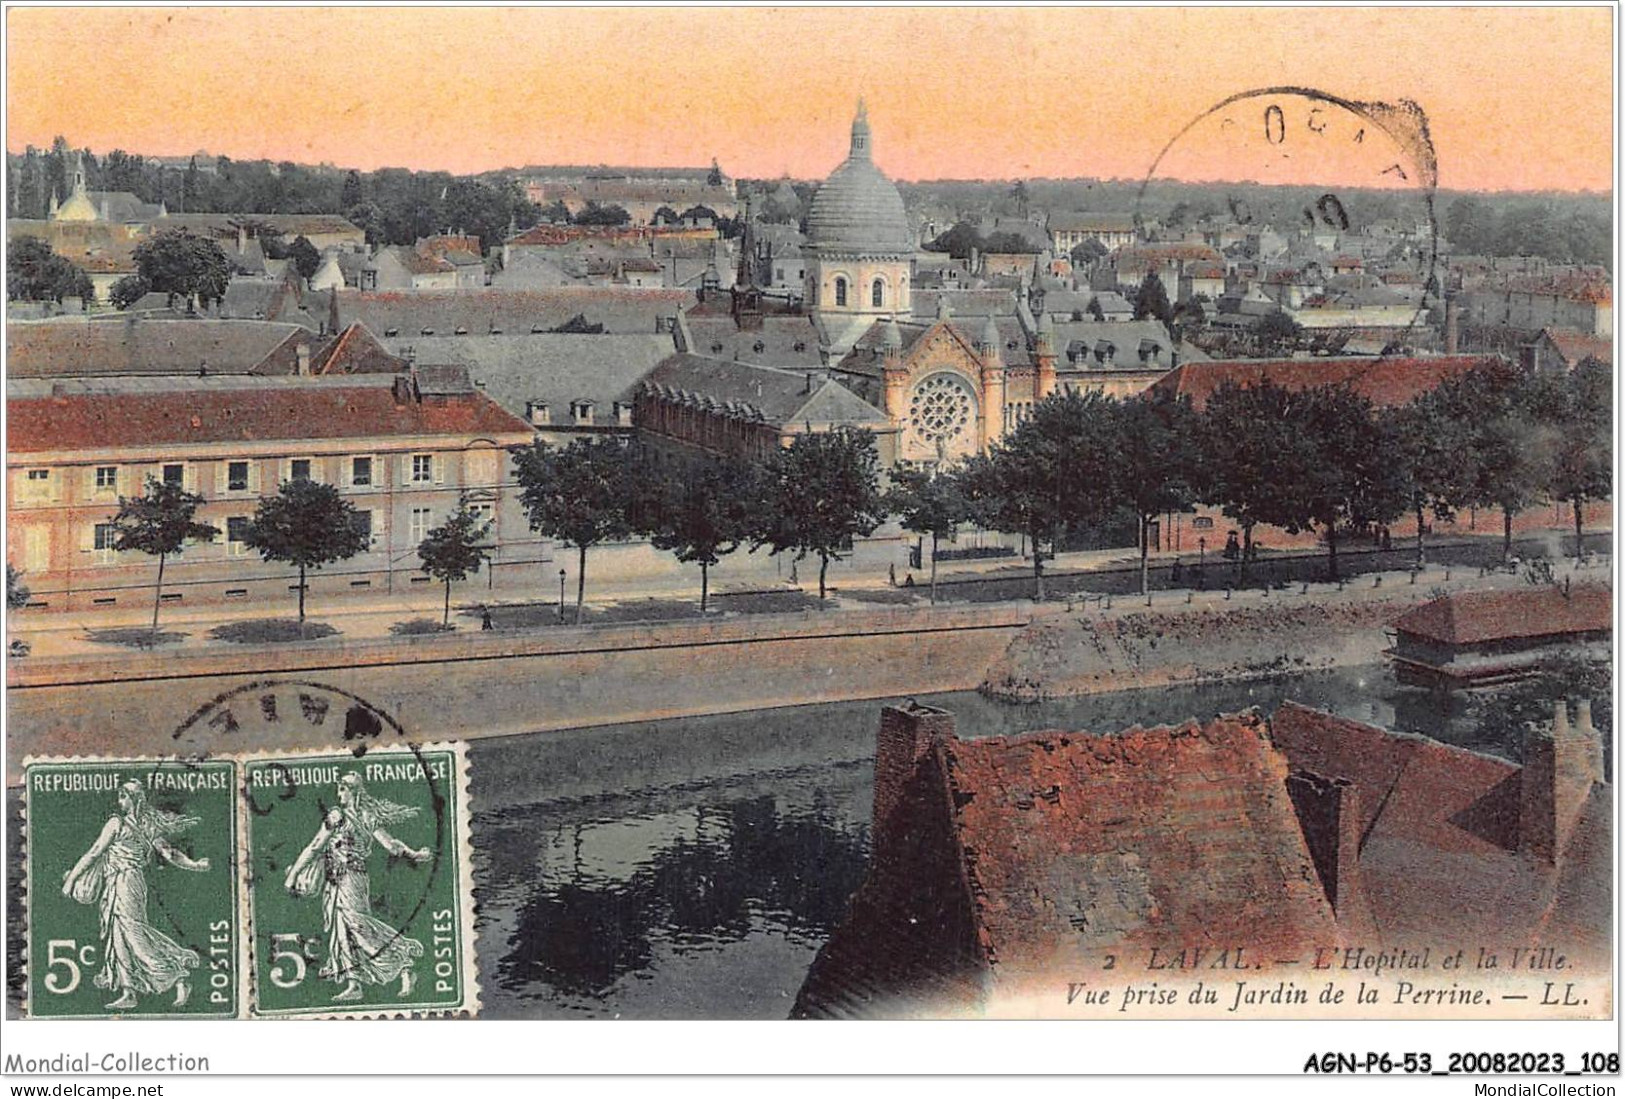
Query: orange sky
{"points": [[1516, 98]]}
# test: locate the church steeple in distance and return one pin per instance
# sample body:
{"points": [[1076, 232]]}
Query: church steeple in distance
{"points": [[860, 134]]}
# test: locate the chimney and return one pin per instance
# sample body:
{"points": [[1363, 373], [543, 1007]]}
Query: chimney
{"points": [[1329, 813], [1560, 764], [404, 389], [1452, 325], [907, 733], [242, 239], [623, 413], [302, 353], [537, 413]]}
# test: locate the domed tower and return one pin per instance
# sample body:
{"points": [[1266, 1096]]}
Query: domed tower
{"points": [[859, 247]]}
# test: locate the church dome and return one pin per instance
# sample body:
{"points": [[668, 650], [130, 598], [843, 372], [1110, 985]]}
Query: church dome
{"points": [[857, 207]]}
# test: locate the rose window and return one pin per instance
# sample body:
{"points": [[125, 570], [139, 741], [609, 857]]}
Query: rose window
{"points": [[941, 409]]}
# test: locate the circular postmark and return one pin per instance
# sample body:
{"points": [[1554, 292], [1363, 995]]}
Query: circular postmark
{"points": [[1311, 181]]}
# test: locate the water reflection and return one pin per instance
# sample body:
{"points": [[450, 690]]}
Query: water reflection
{"points": [[594, 897]]}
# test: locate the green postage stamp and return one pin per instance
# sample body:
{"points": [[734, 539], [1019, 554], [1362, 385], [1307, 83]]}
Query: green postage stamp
{"points": [[288, 885], [133, 889], [360, 892]]}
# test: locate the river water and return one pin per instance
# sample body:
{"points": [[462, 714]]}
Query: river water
{"points": [[692, 868]]}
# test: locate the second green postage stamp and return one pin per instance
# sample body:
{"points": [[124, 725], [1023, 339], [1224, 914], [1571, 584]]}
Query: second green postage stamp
{"points": [[359, 888]]}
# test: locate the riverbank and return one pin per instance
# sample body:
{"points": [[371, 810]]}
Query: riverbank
{"points": [[1214, 637], [484, 684]]}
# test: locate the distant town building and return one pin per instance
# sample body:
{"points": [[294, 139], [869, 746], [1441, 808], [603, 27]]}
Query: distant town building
{"points": [[859, 245], [693, 405], [1481, 638], [407, 450], [1068, 230]]}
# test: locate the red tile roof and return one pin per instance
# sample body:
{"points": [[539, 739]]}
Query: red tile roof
{"points": [[1467, 618], [192, 417], [1384, 381], [1575, 346], [1432, 813], [1144, 837]]}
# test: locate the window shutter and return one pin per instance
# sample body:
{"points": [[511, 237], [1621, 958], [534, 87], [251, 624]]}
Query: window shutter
{"points": [[189, 476], [90, 492], [221, 468], [406, 468], [87, 538], [437, 463]]}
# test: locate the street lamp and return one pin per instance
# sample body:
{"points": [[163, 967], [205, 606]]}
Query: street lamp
{"points": [[561, 596]]}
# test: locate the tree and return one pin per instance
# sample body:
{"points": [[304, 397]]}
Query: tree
{"points": [[818, 494], [184, 265], [1277, 333], [455, 550], [17, 593], [1096, 311], [1019, 195], [1577, 409], [1157, 448], [1251, 456], [928, 501], [557, 213], [1088, 253], [701, 514], [594, 214], [1427, 445], [1008, 243], [1503, 457], [34, 272], [579, 495], [1350, 478], [127, 291], [307, 525], [1151, 302], [159, 523], [958, 241], [305, 257], [1053, 471], [713, 178], [350, 195]]}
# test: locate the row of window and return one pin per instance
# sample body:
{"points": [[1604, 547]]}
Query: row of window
{"points": [[363, 472], [877, 292], [104, 535]]}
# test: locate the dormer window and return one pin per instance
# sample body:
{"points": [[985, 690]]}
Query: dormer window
{"points": [[758, 347], [392, 332]]}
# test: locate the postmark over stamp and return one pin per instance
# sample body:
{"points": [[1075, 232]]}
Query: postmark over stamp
{"points": [[132, 888], [358, 884]]}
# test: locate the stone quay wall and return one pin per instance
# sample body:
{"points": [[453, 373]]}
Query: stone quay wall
{"points": [[492, 684]]}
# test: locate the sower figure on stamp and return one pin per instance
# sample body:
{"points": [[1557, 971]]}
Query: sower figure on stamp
{"points": [[361, 949], [137, 958]]}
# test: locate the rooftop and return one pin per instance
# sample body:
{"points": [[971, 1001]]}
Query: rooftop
{"points": [[1467, 618], [107, 416]]}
